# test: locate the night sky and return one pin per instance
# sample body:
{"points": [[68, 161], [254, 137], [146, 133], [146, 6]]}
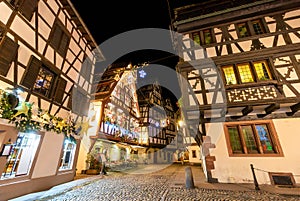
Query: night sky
{"points": [[112, 18]]}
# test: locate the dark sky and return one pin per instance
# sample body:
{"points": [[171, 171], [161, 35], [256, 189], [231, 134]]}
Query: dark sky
{"points": [[110, 18], [107, 19]]}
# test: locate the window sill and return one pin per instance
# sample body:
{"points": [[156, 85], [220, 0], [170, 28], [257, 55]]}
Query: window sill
{"points": [[253, 84], [256, 155]]}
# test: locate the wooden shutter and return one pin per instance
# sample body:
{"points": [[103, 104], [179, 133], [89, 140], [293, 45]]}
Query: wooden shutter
{"points": [[31, 72], [86, 68], [64, 44], [56, 36], [27, 8], [8, 51], [60, 90]]}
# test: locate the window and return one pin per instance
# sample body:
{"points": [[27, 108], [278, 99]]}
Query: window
{"points": [[21, 155], [194, 155], [67, 159], [256, 25], [60, 38], [204, 37], [26, 7], [246, 72], [8, 51], [251, 138], [42, 80]]}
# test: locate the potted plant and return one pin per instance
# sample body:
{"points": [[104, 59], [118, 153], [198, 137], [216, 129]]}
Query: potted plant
{"points": [[93, 165]]}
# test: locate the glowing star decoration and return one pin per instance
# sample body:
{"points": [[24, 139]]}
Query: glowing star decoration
{"points": [[61, 125], [83, 126], [23, 109], [142, 74]]}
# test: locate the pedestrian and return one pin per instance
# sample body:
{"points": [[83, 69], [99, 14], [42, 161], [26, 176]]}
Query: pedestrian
{"points": [[102, 160]]}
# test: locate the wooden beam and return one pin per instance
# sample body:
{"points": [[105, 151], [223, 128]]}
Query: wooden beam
{"points": [[295, 108], [271, 108], [247, 110]]}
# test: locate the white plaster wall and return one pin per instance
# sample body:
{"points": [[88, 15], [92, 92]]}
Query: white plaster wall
{"points": [[49, 155], [237, 169], [198, 154], [5, 12]]}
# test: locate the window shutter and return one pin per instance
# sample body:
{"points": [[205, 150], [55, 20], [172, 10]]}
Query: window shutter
{"points": [[56, 36], [8, 51], [64, 44], [86, 69], [60, 90], [31, 72], [27, 8]]}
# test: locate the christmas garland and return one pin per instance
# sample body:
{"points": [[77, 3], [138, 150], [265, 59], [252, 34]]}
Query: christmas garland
{"points": [[27, 119]]}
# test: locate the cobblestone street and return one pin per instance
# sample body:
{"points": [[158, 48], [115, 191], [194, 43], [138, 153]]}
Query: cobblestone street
{"points": [[155, 185]]}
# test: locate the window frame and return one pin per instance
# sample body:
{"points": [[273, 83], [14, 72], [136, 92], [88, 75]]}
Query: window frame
{"points": [[260, 153], [201, 37], [253, 71], [250, 27]]}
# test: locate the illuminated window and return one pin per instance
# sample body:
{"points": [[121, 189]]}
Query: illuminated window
{"points": [[229, 75], [262, 70], [243, 30], [21, 155], [245, 73], [196, 37], [252, 138], [44, 81], [204, 37], [67, 159], [207, 36]]}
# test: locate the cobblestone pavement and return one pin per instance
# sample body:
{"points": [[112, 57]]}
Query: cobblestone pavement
{"points": [[154, 186]]}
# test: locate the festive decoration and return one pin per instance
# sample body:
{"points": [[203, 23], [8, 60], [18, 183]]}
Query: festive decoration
{"points": [[21, 114], [83, 126], [142, 74]]}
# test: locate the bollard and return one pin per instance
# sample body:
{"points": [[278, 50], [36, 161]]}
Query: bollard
{"points": [[189, 180], [254, 177]]}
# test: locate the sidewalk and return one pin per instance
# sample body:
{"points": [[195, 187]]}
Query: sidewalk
{"points": [[177, 180]]}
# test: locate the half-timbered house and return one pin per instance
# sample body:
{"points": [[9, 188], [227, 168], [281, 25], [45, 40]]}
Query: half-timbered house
{"points": [[240, 73], [46, 64]]}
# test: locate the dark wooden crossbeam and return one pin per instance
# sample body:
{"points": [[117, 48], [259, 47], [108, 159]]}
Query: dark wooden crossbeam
{"points": [[247, 110]]}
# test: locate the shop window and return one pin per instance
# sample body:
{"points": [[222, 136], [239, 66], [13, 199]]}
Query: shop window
{"points": [[8, 51], [246, 72], [252, 138], [60, 38], [194, 155], [21, 155], [196, 37], [67, 159]]}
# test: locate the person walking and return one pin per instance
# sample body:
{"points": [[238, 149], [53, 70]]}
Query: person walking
{"points": [[102, 160]]}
